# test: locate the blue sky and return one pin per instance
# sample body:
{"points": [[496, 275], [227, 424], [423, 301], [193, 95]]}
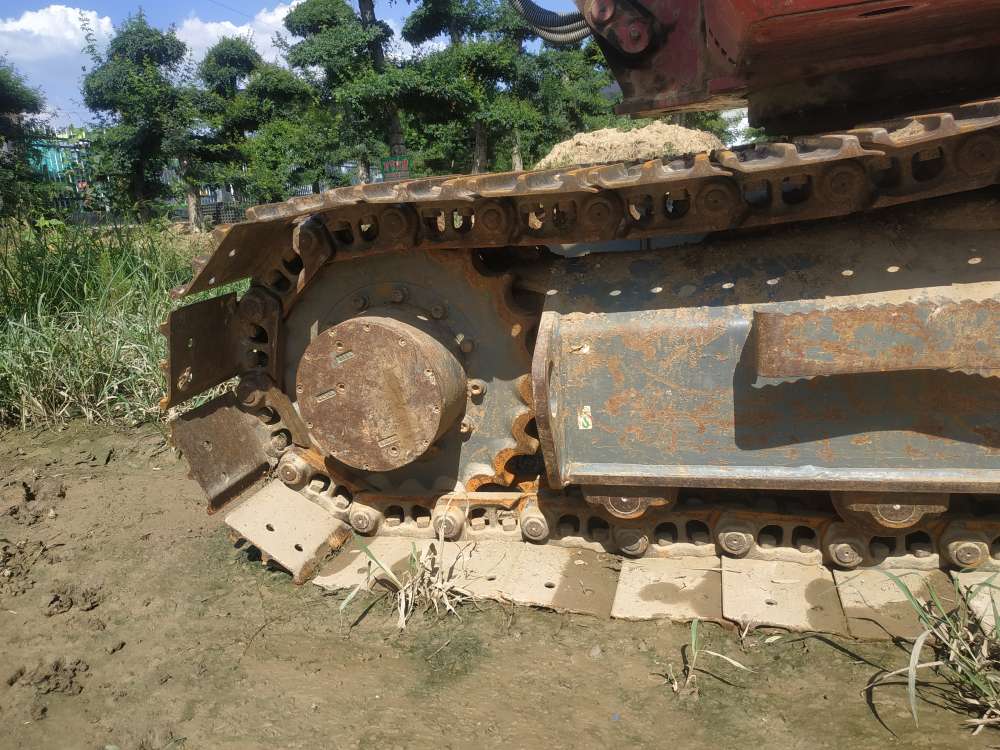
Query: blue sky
{"points": [[44, 41]]}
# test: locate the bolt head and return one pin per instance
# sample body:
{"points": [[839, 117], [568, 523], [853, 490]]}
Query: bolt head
{"points": [[288, 473], [846, 554], [736, 542], [363, 519], [359, 301], [399, 294], [967, 553], [535, 528], [468, 346], [633, 34], [439, 311], [466, 426], [477, 387]]}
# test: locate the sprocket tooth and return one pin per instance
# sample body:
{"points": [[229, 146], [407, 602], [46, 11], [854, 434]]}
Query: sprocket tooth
{"points": [[164, 365], [164, 329], [179, 291]]}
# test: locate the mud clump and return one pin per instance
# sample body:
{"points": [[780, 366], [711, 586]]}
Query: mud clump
{"points": [[66, 597], [57, 676], [28, 505], [610, 145]]}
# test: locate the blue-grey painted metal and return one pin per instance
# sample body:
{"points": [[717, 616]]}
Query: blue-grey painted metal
{"points": [[645, 371]]}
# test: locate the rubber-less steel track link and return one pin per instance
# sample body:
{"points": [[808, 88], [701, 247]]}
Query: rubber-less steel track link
{"points": [[285, 247]]}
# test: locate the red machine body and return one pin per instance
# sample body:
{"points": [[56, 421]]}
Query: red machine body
{"points": [[800, 65]]}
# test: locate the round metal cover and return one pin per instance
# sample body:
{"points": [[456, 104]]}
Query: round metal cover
{"points": [[379, 389]]}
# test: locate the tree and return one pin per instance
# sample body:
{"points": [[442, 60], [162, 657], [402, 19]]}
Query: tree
{"points": [[132, 87], [20, 185], [349, 51]]}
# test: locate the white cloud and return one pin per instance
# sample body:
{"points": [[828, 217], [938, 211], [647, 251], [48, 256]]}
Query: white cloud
{"points": [[200, 35], [399, 49], [47, 47]]}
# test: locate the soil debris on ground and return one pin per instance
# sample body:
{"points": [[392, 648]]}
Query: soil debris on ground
{"points": [[611, 145], [226, 653]]}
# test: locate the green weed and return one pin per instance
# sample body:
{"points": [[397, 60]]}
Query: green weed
{"points": [[966, 645], [79, 310]]}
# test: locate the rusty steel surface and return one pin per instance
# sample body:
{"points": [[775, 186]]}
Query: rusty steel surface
{"points": [[871, 167], [379, 389], [929, 336], [874, 512], [646, 372]]}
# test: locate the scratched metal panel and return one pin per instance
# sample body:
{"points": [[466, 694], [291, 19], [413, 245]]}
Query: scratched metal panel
{"points": [[645, 367]]}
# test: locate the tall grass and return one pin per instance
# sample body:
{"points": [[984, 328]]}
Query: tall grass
{"points": [[79, 309]]}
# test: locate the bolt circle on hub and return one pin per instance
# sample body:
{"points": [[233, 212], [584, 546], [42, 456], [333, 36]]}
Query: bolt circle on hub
{"points": [[391, 389]]}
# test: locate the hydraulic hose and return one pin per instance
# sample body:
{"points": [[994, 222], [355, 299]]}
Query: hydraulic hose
{"points": [[557, 38], [544, 19]]}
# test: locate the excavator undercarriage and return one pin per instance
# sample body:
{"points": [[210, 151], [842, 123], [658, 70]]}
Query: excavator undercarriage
{"points": [[536, 357]]}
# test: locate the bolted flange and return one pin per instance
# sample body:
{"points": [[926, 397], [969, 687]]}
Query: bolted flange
{"points": [[382, 387], [533, 525], [449, 521]]}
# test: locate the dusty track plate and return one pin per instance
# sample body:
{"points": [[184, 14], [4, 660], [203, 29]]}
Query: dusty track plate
{"points": [[786, 595], [288, 529], [678, 589], [563, 579], [877, 609]]}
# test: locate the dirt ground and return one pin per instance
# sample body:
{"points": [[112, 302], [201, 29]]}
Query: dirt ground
{"points": [[609, 144], [128, 618]]}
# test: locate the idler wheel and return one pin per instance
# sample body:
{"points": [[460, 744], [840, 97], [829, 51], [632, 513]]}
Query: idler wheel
{"points": [[377, 390]]}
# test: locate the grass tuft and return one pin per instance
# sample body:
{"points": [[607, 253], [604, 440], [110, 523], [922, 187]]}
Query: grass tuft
{"points": [[79, 310], [966, 645]]}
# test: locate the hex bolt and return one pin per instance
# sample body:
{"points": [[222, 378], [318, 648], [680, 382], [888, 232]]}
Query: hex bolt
{"points": [[399, 293], [965, 554], [632, 542], [364, 519], [846, 554], [477, 387], [736, 542], [249, 395], [467, 345], [633, 34], [466, 426], [450, 523], [279, 442], [439, 311], [533, 525], [359, 301], [293, 469]]}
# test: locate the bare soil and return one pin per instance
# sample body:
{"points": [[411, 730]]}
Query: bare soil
{"points": [[610, 145], [128, 618]]}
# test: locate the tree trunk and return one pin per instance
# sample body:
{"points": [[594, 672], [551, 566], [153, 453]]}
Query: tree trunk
{"points": [[194, 208], [315, 187], [515, 160], [679, 118], [363, 171], [479, 156], [397, 142], [139, 190]]}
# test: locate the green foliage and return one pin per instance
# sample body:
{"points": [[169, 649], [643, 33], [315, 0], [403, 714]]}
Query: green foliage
{"points": [[79, 310], [229, 61], [134, 87], [21, 189]]}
